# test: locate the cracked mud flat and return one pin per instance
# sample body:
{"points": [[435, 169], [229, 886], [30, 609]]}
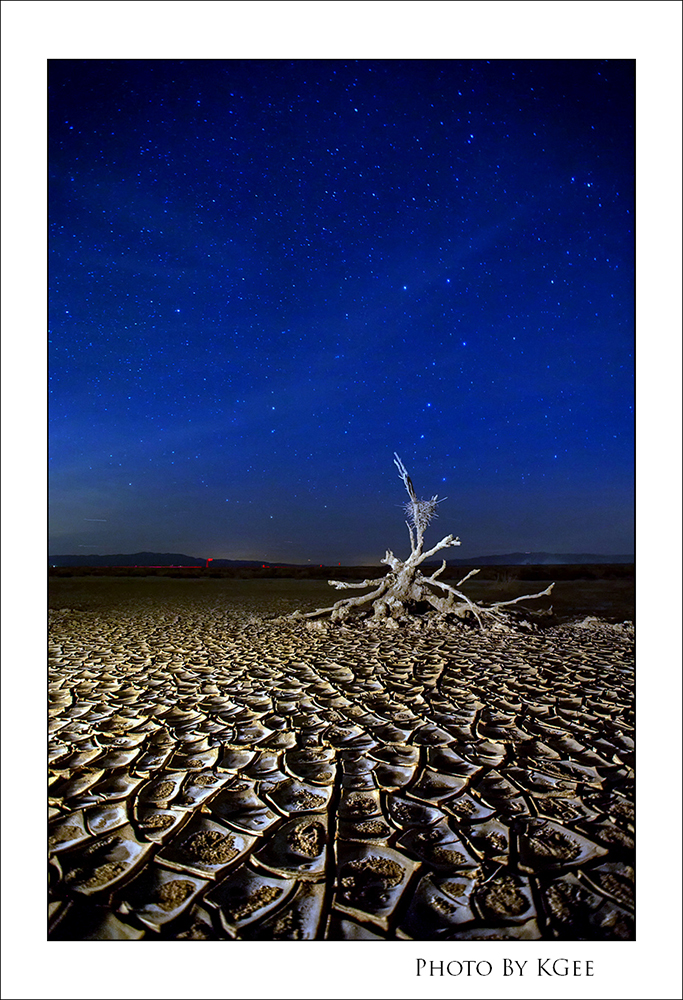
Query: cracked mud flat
{"points": [[217, 775]]}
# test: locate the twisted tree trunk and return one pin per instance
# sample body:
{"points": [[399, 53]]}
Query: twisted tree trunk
{"points": [[404, 586]]}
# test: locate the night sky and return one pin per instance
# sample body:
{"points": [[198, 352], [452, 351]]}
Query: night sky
{"points": [[267, 276]]}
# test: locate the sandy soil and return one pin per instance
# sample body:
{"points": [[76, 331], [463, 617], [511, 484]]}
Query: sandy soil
{"points": [[215, 774]]}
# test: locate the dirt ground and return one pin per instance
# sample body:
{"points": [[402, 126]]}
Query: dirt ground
{"points": [[217, 774]]}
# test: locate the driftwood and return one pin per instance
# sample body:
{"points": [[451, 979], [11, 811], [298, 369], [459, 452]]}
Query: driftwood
{"points": [[405, 586]]}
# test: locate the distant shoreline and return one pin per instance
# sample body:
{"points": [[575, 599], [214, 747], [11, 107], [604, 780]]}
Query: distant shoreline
{"points": [[500, 573]]}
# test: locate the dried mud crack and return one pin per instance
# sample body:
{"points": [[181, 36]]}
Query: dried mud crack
{"points": [[217, 774]]}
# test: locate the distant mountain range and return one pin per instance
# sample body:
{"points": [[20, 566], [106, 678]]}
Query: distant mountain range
{"points": [[541, 559], [154, 559], [149, 559]]}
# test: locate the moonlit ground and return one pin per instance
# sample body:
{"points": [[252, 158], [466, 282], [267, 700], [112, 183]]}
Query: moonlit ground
{"points": [[217, 774]]}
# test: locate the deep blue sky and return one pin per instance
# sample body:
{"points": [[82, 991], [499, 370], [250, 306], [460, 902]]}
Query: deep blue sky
{"points": [[268, 276]]}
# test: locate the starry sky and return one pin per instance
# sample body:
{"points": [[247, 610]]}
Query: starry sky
{"points": [[267, 276]]}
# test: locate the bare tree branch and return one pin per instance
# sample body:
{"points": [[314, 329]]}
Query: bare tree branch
{"points": [[437, 572], [445, 543], [525, 597], [347, 585], [403, 473], [391, 560], [348, 602], [471, 573]]}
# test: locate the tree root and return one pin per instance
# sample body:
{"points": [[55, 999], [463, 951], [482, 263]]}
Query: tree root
{"points": [[394, 599], [404, 587]]}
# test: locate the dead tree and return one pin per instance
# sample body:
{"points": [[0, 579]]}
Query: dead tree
{"points": [[404, 586]]}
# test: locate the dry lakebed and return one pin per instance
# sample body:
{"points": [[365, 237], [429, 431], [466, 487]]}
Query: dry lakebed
{"points": [[217, 774]]}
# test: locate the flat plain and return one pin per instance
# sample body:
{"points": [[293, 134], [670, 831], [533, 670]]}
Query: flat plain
{"points": [[217, 772]]}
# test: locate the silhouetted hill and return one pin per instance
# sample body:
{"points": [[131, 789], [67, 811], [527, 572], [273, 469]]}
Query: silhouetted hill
{"points": [[151, 559], [541, 559], [158, 559]]}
